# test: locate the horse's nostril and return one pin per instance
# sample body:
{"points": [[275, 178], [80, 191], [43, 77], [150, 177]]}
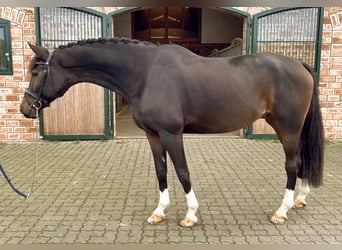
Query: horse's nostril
{"points": [[26, 112]]}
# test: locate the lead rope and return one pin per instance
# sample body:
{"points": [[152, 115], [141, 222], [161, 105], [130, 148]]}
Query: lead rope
{"points": [[37, 153], [2, 170]]}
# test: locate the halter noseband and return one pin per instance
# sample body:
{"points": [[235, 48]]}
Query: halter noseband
{"points": [[39, 102]]}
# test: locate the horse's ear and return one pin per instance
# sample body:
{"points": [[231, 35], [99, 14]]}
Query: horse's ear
{"points": [[41, 52]]}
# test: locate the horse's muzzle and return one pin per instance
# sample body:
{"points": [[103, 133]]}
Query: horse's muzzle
{"points": [[27, 110]]}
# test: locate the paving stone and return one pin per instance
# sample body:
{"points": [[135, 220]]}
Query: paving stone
{"points": [[103, 192]]}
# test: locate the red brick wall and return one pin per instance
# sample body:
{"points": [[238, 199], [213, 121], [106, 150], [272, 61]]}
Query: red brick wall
{"points": [[13, 126], [331, 72]]}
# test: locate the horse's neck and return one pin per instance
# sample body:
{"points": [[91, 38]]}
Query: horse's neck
{"points": [[116, 69]]}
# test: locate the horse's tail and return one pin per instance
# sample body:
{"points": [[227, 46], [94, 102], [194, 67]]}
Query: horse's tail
{"points": [[312, 140]]}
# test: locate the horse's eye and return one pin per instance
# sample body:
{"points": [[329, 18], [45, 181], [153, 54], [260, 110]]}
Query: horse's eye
{"points": [[34, 72]]}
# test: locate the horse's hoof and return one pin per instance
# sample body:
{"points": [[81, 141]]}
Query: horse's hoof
{"points": [[278, 220], [187, 223], [155, 219], [299, 204]]}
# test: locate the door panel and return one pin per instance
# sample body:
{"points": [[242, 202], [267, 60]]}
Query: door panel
{"points": [[78, 112]]}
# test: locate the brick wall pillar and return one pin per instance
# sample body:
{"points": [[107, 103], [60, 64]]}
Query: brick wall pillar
{"points": [[331, 72], [13, 126]]}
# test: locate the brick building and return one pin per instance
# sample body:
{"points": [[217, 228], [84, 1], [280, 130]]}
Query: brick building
{"points": [[20, 25]]}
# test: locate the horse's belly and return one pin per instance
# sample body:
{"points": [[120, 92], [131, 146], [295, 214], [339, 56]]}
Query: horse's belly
{"points": [[221, 122], [210, 128]]}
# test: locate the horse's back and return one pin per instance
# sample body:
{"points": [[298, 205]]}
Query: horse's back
{"points": [[210, 95]]}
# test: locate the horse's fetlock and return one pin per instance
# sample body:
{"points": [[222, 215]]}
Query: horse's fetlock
{"points": [[193, 207], [288, 204]]}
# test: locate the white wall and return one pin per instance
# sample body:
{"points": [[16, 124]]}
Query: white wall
{"points": [[219, 27], [123, 25]]}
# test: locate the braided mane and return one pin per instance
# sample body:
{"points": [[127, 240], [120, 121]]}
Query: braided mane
{"points": [[93, 41], [106, 40]]}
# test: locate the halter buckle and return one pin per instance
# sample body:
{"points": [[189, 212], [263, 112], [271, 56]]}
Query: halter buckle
{"points": [[37, 104]]}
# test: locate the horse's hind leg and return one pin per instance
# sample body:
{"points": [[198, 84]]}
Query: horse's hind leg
{"points": [[303, 191], [292, 164], [159, 156], [290, 143], [175, 148]]}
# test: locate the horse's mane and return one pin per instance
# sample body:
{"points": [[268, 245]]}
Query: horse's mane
{"points": [[113, 40]]}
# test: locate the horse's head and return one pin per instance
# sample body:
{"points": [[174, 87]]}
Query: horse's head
{"points": [[41, 91]]}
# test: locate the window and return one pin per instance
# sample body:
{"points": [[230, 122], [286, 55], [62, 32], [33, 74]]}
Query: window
{"points": [[167, 24], [5, 48]]}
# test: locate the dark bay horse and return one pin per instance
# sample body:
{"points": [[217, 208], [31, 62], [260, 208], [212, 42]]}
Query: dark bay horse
{"points": [[172, 91]]}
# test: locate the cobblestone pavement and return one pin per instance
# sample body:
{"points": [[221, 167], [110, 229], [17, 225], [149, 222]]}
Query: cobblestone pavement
{"points": [[103, 192]]}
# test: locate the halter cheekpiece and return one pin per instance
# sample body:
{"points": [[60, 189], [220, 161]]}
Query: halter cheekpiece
{"points": [[39, 102]]}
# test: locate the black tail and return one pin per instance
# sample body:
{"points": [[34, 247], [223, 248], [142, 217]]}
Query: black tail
{"points": [[312, 141]]}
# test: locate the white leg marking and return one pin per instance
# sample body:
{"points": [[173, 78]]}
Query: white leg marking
{"points": [[303, 191], [287, 203], [192, 206], [164, 202]]}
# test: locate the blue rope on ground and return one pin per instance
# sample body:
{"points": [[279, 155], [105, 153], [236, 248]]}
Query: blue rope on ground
{"points": [[10, 183]]}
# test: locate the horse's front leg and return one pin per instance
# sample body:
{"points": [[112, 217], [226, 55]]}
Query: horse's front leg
{"points": [[175, 148], [190, 219], [159, 156]]}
